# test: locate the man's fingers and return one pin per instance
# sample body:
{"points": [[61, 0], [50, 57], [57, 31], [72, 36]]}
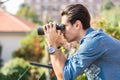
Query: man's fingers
{"points": [[54, 25], [59, 32], [51, 25], [44, 29]]}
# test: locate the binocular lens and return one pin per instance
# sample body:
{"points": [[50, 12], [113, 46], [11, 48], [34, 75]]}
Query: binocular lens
{"points": [[58, 27]]}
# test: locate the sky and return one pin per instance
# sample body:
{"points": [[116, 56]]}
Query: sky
{"points": [[12, 6]]}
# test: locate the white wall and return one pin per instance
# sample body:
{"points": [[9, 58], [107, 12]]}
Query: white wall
{"points": [[10, 42]]}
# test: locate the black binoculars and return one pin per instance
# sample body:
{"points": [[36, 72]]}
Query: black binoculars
{"points": [[58, 27]]}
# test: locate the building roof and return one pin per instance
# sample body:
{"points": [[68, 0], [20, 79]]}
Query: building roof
{"points": [[11, 23]]}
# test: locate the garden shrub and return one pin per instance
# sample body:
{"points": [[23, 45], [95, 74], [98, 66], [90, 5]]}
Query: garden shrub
{"points": [[13, 70]]}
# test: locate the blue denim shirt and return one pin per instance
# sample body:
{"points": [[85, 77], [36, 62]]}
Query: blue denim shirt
{"points": [[98, 56]]}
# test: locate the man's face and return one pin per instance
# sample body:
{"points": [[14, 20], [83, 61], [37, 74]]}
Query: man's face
{"points": [[70, 30]]}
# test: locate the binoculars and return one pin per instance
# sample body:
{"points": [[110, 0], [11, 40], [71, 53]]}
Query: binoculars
{"points": [[58, 27]]}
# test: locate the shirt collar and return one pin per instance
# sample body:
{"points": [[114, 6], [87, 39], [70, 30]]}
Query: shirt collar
{"points": [[89, 30]]}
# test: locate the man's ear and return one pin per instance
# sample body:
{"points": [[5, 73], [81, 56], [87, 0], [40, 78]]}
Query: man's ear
{"points": [[78, 24]]}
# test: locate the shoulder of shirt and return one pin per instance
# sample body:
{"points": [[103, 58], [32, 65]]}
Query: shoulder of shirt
{"points": [[92, 35], [95, 33]]}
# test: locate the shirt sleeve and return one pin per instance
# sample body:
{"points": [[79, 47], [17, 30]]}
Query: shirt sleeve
{"points": [[90, 49]]}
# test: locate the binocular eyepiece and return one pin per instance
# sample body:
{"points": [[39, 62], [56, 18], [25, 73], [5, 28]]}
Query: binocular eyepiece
{"points": [[58, 27]]}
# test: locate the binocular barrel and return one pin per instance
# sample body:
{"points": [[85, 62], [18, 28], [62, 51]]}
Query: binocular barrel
{"points": [[58, 27]]}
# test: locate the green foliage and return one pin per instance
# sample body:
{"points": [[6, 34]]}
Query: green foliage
{"points": [[109, 28], [18, 68], [31, 47], [110, 21], [13, 69], [107, 5], [28, 13], [82, 77], [113, 16], [43, 76]]}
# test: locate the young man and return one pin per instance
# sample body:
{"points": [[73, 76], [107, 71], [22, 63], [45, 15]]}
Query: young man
{"points": [[98, 54]]}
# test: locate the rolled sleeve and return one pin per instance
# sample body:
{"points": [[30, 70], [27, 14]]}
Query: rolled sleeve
{"points": [[67, 72]]}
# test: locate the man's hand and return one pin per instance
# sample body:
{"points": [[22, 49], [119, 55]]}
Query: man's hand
{"points": [[54, 39], [52, 35]]}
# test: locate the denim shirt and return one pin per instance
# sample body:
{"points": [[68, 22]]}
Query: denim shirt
{"points": [[98, 56]]}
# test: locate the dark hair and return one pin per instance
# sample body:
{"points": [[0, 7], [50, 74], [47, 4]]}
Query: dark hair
{"points": [[77, 12]]}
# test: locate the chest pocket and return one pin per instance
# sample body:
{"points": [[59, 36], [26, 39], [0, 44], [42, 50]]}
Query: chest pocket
{"points": [[92, 72]]}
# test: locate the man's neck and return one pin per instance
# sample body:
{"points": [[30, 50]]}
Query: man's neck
{"points": [[82, 34]]}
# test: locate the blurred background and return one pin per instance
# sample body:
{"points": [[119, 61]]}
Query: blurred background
{"points": [[20, 44]]}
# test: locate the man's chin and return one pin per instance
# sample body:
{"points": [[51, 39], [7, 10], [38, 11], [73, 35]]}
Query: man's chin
{"points": [[69, 41]]}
